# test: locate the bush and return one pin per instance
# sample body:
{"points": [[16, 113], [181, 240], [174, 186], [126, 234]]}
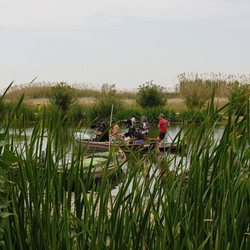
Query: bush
{"points": [[78, 113], [62, 96], [150, 95], [101, 110], [126, 112]]}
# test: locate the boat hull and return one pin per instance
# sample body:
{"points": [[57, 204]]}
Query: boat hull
{"points": [[144, 148]]}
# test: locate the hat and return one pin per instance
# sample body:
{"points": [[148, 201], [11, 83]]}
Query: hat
{"points": [[161, 115], [133, 119]]}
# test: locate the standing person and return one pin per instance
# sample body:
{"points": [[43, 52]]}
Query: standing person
{"points": [[163, 128]]}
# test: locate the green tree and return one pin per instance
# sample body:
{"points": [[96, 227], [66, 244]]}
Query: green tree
{"points": [[150, 95], [62, 96]]}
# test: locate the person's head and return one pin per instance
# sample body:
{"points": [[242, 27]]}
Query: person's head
{"points": [[133, 122], [143, 119], [129, 122], [161, 115], [103, 124]]}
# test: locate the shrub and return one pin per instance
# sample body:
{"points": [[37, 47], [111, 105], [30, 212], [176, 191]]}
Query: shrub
{"points": [[101, 110], [62, 96], [150, 95], [126, 112], [78, 113]]}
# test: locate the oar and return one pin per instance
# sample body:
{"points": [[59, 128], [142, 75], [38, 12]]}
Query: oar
{"points": [[110, 122]]}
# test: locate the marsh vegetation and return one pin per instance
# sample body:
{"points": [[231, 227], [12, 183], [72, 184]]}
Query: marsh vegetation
{"points": [[202, 203], [165, 202]]}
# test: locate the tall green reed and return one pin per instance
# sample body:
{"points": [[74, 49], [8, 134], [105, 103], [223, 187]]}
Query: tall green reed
{"points": [[198, 199]]}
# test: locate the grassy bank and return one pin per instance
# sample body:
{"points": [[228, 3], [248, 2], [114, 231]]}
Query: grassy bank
{"points": [[87, 106], [87, 112]]}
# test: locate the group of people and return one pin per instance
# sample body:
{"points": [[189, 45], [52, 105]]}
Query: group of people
{"points": [[137, 134]]}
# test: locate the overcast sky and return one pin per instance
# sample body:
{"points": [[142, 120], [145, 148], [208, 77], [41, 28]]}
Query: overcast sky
{"points": [[125, 42]]}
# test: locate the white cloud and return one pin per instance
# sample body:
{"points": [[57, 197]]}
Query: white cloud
{"points": [[79, 13]]}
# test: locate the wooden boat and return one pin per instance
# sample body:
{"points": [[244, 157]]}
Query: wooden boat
{"points": [[131, 146], [104, 162], [92, 165]]}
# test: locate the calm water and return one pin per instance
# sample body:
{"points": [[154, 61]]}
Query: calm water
{"points": [[89, 133]]}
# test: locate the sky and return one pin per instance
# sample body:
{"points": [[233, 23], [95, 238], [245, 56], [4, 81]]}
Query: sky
{"points": [[126, 43]]}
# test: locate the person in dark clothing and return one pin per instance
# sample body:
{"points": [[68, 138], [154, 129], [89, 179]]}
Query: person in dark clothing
{"points": [[102, 133], [139, 137], [131, 128]]}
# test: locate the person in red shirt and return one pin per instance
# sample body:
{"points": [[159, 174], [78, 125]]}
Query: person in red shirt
{"points": [[163, 127]]}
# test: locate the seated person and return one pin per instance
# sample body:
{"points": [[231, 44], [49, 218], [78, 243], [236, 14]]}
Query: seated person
{"points": [[138, 137], [115, 132], [131, 128], [145, 126], [102, 133]]}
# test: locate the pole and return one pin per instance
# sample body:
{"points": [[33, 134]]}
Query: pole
{"points": [[110, 121]]}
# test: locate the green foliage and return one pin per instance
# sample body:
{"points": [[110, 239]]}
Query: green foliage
{"points": [[152, 114], [239, 97], [126, 112], [198, 199], [7, 157], [202, 206], [150, 95], [7, 111], [192, 116], [4, 203], [62, 96], [78, 113], [103, 105], [137, 112]]}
